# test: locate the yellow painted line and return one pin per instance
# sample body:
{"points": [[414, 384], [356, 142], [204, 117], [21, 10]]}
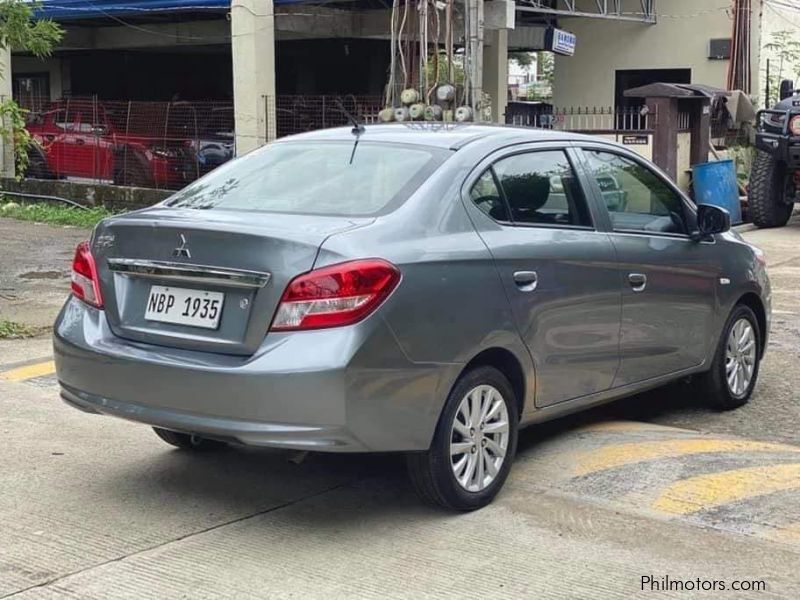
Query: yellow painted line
{"points": [[617, 455], [715, 489], [29, 371]]}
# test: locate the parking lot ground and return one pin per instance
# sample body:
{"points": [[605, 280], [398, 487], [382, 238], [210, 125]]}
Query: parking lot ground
{"points": [[656, 485], [97, 508]]}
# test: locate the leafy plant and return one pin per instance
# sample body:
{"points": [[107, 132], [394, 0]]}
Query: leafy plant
{"points": [[523, 59], [54, 214], [19, 30], [13, 330], [784, 49]]}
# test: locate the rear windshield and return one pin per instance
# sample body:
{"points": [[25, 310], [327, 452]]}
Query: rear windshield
{"points": [[315, 178]]}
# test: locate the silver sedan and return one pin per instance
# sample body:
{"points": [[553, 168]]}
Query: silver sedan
{"points": [[424, 289]]}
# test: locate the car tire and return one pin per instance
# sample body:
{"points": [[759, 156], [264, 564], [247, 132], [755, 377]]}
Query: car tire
{"points": [[715, 387], [766, 200], [131, 172], [434, 472], [186, 441], [37, 165]]}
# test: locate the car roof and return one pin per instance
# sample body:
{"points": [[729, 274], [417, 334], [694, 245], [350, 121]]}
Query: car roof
{"points": [[441, 135]]}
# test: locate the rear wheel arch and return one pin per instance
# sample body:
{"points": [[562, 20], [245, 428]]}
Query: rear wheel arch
{"points": [[508, 364]]}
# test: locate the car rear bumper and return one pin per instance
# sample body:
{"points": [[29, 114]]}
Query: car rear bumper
{"points": [[252, 433], [339, 390]]}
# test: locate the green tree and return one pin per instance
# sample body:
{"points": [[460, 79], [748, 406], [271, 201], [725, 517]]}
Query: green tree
{"points": [[523, 59], [19, 30], [546, 66], [784, 53]]}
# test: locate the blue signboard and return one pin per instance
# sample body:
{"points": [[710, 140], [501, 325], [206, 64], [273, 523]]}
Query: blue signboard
{"points": [[560, 41]]}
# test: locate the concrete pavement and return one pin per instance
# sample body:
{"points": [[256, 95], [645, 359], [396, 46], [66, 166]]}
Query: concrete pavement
{"points": [[96, 508]]}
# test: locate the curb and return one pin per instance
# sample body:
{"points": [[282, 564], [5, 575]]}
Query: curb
{"points": [[744, 228]]}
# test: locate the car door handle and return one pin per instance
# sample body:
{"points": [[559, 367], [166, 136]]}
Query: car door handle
{"points": [[49, 137], [526, 280], [80, 141], [638, 281]]}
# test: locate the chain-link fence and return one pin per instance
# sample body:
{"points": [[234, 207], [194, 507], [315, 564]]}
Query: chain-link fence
{"points": [[161, 145], [303, 112], [166, 145]]}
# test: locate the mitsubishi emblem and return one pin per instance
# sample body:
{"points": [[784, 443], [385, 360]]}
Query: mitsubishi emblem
{"points": [[182, 250]]}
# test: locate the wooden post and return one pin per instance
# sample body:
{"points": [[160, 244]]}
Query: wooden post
{"points": [[665, 135]]}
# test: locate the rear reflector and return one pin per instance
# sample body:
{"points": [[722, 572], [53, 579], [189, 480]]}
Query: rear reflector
{"points": [[336, 295], [85, 283]]}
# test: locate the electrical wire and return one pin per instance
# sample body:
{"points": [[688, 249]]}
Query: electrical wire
{"points": [[400, 45], [390, 92]]}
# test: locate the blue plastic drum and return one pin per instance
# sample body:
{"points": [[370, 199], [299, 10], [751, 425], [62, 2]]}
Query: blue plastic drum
{"points": [[715, 183]]}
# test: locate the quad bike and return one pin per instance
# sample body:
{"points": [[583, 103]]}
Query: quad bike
{"points": [[775, 177]]}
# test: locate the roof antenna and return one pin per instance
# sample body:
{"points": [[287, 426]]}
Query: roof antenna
{"points": [[358, 128]]}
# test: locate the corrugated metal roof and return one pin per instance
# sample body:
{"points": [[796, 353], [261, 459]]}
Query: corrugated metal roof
{"points": [[63, 10]]}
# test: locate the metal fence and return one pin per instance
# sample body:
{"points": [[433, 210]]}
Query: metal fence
{"points": [[580, 119], [161, 145], [299, 113], [167, 145]]}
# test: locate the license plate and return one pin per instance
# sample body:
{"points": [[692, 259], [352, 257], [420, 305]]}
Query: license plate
{"points": [[181, 306]]}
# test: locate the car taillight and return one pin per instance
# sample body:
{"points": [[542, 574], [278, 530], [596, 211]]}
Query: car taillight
{"points": [[336, 295], [85, 283], [794, 125]]}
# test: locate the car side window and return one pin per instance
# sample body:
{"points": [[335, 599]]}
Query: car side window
{"points": [[541, 188], [65, 121], [486, 196], [637, 199]]}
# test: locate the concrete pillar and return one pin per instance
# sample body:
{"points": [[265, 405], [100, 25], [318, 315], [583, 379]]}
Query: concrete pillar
{"points": [[253, 56], [6, 93], [495, 71]]}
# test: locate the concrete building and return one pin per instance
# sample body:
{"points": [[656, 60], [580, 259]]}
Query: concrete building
{"points": [[688, 42], [250, 52], [253, 53]]}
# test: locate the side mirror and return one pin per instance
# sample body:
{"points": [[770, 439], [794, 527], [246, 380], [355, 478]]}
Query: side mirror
{"points": [[711, 220]]}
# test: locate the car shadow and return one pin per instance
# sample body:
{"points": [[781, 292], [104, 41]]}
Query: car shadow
{"points": [[241, 481]]}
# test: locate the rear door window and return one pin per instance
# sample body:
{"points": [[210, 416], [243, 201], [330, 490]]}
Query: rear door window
{"points": [[541, 188], [486, 195], [315, 177]]}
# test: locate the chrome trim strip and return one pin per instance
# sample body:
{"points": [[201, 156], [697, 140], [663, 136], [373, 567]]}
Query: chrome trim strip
{"points": [[154, 269]]}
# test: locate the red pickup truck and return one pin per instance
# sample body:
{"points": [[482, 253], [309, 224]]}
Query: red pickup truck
{"points": [[79, 140]]}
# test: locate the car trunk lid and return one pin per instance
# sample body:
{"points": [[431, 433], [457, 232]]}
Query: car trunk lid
{"points": [[243, 259]]}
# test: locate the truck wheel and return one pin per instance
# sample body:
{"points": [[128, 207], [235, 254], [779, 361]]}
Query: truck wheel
{"points": [[772, 189], [130, 171], [37, 166]]}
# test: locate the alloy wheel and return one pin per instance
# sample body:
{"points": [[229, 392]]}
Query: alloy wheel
{"points": [[479, 438], [740, 357]]}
